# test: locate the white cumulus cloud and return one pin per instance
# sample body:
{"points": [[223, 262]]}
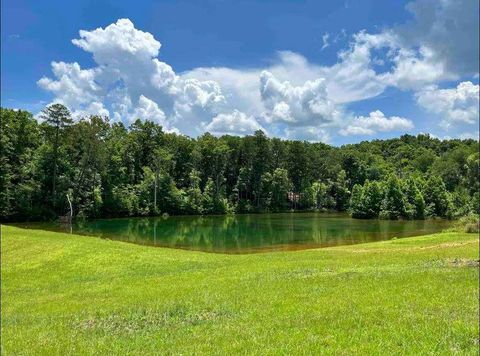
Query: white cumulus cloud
{"points": [[297, 105], [75, 87], [119, 37], [130, 82], [454, 105], [291, 97], [148, 110], [375, 122], [235, 122], [308, 133]]}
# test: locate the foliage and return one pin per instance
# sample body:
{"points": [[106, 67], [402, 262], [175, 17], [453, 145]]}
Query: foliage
{"points": [[319, 191], [393, 203], [436, 197], [357, 208], [373, 196], [113, 170], [469, 223], [280, 187]]}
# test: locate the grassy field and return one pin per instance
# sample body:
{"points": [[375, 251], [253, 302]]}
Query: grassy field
{"points": [[83, 295]]}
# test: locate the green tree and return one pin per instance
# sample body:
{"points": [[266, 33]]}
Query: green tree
{"points": [[339, 191], [372, 198], [194, 194], [265, 200], [414, 202], [6, 151], [393, 204], [162, 163], [125, 200], [143, 138], [472, 177], [436, 197], [461, 203], [111, 170], [58, 117], [261, 158], [281, 185], [299, 165], [357, 209], [212, 202], [476, 203], [87, 168], [308, 198], [242, 188], [170, 198], [320, 194]]}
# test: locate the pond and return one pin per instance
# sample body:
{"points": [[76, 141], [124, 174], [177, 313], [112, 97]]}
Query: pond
{"points": [[247, 233]]}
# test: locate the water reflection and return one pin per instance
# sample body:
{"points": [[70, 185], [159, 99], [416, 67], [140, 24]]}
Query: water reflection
{"points": [[248, 233]]}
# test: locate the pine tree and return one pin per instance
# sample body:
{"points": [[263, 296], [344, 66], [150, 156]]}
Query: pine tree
{"points": [[414, 202], [194, 194], [58, 117], [393, 204], [436, 197], [372, 199]]}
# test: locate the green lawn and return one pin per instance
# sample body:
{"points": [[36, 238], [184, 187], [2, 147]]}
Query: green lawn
{"points": [[82, 295]]}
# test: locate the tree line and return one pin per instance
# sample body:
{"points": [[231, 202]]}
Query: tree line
{"points": [[109, 170]]}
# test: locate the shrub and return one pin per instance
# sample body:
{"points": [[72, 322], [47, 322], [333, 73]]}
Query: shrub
{"points": [[469, 223]]}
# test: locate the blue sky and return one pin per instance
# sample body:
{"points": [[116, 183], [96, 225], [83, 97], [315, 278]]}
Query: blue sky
{"points": [[328, 71]]}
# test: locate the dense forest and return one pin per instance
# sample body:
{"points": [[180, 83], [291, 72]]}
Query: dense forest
{"points": [[107, 169]]}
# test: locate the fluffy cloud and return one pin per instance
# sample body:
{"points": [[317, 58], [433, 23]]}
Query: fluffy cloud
{"points": [[235, 122], [75, 87], [415, 68], [163, 77], [353, 77], [375, 122], [149, 110], [94, 108], [440, 43], [202, 93], [417, 53], [297, 105], [120, 37], [455, 105], [241, 87], [309, 133], [292, 97], [448, 29], [131, 81], [403, 66]]}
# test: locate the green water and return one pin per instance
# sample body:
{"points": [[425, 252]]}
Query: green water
{"points": [[247, 233]]}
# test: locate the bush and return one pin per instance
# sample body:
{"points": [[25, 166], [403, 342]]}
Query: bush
{"points": [[469, 223]]}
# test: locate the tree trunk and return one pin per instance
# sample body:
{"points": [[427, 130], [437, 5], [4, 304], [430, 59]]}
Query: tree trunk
{"points": [[71, 208]]}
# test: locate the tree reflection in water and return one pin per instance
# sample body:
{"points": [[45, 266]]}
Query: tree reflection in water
{"points": [[249, 233]]}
